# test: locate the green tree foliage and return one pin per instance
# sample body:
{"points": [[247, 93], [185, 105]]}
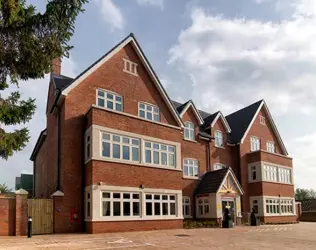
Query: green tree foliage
{"points": [[4, 189], [29, 41], [304, 194]]}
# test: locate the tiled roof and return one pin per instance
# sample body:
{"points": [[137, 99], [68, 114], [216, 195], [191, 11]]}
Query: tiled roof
{"points": [[61, 82], [211, 181], [240, 120]]}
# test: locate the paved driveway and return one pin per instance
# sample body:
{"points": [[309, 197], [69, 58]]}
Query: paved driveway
{"points": [[301, 236]]}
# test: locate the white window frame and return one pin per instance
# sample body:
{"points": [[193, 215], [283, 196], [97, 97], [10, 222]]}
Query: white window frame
{"points": [[88, 205], [253, 169], [160, 201], [272, 206], [153, 111], [262, 120], [286, 206], [255, 204], [186, 203], [285, 175], [189, 131], [254, 143], [122, 145], [270, 147], [106, 99], [218, 166], [170, 151], [192, 166], [203, 206], [270, 173], [130, 67], [279, 206], [121, 200], [219, 139]]}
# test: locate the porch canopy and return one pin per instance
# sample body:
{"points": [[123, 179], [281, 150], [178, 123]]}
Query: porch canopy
{"points": [[216, 191]]}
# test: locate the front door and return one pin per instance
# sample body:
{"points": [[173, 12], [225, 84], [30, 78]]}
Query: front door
{"points": [[230, 204]]}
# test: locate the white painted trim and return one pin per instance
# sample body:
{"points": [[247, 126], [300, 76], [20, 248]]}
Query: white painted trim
{"points": [[134, 116], [131, 40], [58, 193], [96, 200], [145, 110], [221, 132], [235, 180], [220, 115], [263, 104], [197, 114], [198, 167], [97, 148], [190, 210], [21, 191], [131, 64]]}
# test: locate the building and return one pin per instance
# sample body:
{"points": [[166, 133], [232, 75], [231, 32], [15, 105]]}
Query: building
{"points": [[25, 181], [120, 155]]}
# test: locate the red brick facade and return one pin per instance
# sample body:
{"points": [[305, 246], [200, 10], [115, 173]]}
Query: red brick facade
{"points": [[7, 216], [72, 175]]}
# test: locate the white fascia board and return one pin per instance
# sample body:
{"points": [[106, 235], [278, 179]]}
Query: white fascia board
{"points": [[196, 112]]}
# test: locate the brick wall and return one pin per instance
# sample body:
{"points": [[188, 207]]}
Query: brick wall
{"points": [[7, 216], [124, 226], [278, 219], [308, 216]]}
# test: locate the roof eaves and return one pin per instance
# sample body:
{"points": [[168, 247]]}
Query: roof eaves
{"points": [[38, 144]]}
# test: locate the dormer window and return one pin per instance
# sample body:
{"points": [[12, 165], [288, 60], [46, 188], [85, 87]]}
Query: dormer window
{"points": [[219, 139], [189, 131], [262, 120], [130, 67]]}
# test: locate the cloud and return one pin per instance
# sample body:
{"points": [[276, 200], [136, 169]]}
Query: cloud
{"points": [[238, 61], [111, 14], [38, 89], [155, 3], [304, 159]]}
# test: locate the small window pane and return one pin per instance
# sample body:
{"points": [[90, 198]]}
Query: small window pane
{"points": [[135, 142], [126, 196], [149, 208], [156, 146], [105, 149], [126, 208], [116, 151], [135, 154], [100, 93], [142, 106], [125, 152], [109, 96], [172, 197], [149, 108], [116, 195], [109, 104], [100, 102], [118, 98], [163, 147], [116, 208], [156, 157], [118, 107], [163, 158], [106, 208], [165, 197], [105, 195], [186, 171], [148, 196], [172, 208], [105, 136], [149, 116], [116, 138], [142, 113], [171, 160], [156, 118], [135, 196], [135, 208], [165, 208], [157, 208], [148, 156], [147, 144], [156, 197], [125, 140]]}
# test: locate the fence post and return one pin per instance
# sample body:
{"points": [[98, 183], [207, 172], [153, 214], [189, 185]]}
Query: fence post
{"points": [[21, 212]]}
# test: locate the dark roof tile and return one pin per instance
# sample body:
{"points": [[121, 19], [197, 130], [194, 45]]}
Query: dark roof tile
{"points": [[211, 181]]}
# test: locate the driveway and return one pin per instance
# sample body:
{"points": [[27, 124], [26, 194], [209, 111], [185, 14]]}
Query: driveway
{"points": [[300, 236]]}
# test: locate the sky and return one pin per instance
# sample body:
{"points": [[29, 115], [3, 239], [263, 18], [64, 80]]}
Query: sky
{"points": [[223, 55]]}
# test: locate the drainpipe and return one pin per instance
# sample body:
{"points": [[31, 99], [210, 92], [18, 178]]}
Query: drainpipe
{"points": [[208, 151], [83, 179], [58, 149]]}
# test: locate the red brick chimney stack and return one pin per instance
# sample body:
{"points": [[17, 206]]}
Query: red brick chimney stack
{"points": [[56, 66]]}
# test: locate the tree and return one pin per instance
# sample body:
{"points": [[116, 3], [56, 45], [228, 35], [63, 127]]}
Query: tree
{"points": [[304, 194], [29, 41], [4, 189]]}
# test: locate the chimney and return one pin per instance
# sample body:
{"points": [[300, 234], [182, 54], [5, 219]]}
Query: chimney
{"points": [[56, 66]]}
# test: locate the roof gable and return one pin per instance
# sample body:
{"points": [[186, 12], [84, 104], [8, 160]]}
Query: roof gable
{"points": [[184, 108], [214, 118], [219, 181], [128, 40]]}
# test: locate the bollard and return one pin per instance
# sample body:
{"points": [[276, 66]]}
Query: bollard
{"points": [[29, 227]]}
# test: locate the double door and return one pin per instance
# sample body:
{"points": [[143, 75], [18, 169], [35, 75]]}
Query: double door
{"points": [[230, 205]]}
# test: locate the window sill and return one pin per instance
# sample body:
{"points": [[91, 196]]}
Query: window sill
{"points": [[131, 218], [135, 164], [276, 182], [279, 215], [189, 140], [190, 177], [221, 147]]}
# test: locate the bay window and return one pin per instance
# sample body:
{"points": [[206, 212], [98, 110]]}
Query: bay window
{"points": [[270, 173], [160, 205], [159, 154]]}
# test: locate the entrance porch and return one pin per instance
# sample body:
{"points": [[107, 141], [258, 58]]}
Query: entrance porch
{"points": [[217, 191]]}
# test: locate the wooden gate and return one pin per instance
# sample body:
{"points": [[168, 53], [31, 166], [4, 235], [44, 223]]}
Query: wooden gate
{"points": [[41, 211]]}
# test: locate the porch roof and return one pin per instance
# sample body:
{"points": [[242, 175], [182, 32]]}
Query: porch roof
{"points": [[213, 180]]}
